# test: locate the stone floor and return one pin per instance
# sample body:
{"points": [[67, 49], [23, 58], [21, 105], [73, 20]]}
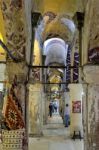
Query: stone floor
{"points": [[54, 143], [55, 137]]}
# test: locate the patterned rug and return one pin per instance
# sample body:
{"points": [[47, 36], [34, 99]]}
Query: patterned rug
{"points": [[13, 115], [13, 140]]}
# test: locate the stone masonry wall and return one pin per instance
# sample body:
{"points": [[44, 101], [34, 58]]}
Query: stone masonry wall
{"points": [[93, 117]]}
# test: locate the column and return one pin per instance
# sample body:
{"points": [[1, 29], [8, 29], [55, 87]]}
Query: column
{"points": [[44, 107], [2, 92], [91, 76], [85, 114], [76, 108], [66, 97], [35, 117], [2, 72]]}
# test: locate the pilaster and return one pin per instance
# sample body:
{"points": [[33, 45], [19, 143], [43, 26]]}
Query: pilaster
{"points": [[2, 72], [35, 109], [76, 91], [91, 77]]}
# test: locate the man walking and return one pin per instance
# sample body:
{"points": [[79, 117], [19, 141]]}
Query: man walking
{"points": [[67, 115], [50, 109]]}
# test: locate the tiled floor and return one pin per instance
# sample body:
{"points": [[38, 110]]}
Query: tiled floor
{"points": [[56, 137]]}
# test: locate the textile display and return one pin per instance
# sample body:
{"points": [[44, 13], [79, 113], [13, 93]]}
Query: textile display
{"points": [[76, 69], [13, 139], [13, 115], [68, 70], [13, 110]]}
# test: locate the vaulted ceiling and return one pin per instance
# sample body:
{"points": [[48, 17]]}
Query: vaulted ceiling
{"points": [[53, 11], [17, 21], [57, 6]]}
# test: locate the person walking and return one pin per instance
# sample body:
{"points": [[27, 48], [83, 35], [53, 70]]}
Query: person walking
{"points": [[50, 109], [55, 106], [67, 115]]}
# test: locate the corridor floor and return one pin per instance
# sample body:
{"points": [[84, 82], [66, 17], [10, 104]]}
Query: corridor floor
{"points": [[56, 137]]}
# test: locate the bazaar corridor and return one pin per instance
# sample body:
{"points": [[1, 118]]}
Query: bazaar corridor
{"points": [[49, 74]]}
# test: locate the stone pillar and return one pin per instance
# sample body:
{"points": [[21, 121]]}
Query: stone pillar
{"points": [[2, 72], [91, 76], [35, 117], [85, 114], [76, 107], [67, 97], [86, 30], [44, 108], [2, 86]]}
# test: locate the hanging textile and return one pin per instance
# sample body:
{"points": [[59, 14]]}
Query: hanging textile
{"points": [[13, 115], [76, 69], [13, 111], [68, 70]]}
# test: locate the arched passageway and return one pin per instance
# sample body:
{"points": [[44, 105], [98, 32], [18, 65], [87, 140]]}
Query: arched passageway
{"points": [[55, 34], [46, 58]]}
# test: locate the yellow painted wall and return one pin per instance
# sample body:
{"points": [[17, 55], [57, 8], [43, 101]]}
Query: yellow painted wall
{"points": [[2, 37]]}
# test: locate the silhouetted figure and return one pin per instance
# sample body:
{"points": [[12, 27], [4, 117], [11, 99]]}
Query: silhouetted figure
{"points": [[55, 107], [50, 109]]}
